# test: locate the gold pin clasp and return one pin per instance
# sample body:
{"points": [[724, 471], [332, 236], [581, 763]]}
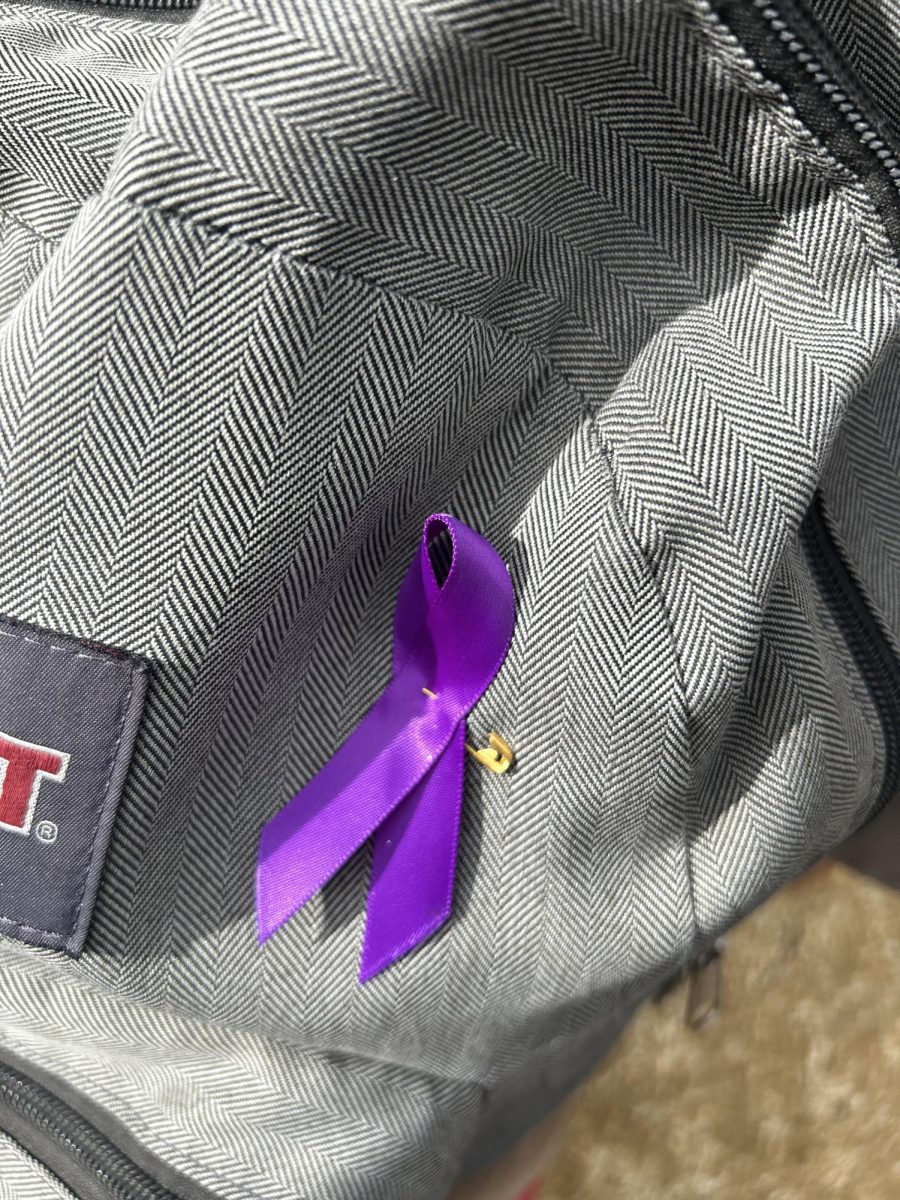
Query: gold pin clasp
{"points": [[498, 756]]}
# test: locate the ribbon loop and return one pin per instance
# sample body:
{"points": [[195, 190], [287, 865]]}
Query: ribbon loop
{"points": [[399, 775]]}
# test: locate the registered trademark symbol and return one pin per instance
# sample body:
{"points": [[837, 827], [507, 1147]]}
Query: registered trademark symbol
{"points": [[46, 832]]}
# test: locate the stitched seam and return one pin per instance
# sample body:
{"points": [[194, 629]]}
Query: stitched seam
{"points": [[304, 261], [62, 647], [804, 142], [124, 706], [64, 936], [596, 437], [186, 1155], [10, 217], [172, 216], [113, 1102]]}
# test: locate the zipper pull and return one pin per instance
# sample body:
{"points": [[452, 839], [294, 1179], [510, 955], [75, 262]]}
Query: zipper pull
{"points": [[704, 991]]}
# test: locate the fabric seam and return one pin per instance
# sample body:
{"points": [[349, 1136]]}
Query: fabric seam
{"points": [[124, 708], [596, 439], [62, 938], [775, 104]]}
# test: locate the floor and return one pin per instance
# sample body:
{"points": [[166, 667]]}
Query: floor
{"points": [[791, 1093]]}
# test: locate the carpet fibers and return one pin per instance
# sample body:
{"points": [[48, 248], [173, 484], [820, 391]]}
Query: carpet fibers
{"points": [[790, 1093]]}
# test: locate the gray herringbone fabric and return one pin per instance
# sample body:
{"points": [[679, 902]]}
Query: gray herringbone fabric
{"points": [[22, 1178], [868, 33], [861, 484], [278, 279]]}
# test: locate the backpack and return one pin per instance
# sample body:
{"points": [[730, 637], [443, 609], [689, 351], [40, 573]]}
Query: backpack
{"points": [[613, 286]]}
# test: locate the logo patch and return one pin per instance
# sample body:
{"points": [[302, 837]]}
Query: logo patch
{"points": [[22, 767], [69, 716]]}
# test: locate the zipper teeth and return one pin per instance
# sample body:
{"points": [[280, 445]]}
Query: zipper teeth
{"points": [[58, 1122], [838, 95], [875, 658], [14, 1088], [14, 1096]]}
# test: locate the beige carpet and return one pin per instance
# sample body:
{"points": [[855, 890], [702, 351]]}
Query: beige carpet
{"points": [[793, 1093]]}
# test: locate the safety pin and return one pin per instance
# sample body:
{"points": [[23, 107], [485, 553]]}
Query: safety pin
{"points": [[498, 756]]}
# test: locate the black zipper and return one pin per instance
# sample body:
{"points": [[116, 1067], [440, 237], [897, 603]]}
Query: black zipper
{"points": [[72, 1149], [871, 650], [793, 51], [819, 61]]}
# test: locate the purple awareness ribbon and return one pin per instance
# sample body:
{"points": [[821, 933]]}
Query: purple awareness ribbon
{"points": [[399, 775]]}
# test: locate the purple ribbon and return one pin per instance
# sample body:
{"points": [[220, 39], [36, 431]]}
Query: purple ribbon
{"points": [[399, 775]]}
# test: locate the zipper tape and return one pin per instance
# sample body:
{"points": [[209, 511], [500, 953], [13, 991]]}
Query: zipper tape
{"points": [[68, 1145]]}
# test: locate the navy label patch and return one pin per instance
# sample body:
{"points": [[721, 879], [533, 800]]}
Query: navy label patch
{"points": [[69, 715]]}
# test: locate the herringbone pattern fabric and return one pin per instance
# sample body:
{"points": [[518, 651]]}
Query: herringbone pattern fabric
{"points": [[571, 271], [68, 87], [23, 255], [22, 1178], [868, 34], [244, 1115]]}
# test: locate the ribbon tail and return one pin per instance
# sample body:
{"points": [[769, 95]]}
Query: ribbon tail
{"points": [[414, 863], [381, 762]]}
